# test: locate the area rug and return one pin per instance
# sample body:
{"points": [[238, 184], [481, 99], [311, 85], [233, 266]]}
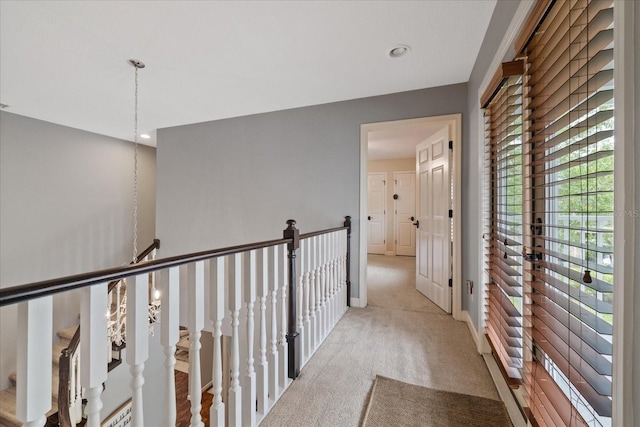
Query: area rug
{"points": [[396, 403]]}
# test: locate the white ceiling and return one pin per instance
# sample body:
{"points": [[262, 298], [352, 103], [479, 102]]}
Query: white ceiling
{"points": [[398, 143], [66, 62]]}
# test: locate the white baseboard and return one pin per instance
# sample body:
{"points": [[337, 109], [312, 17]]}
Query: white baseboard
{"points": [[355, 302], [390, 253], [465, 317], [513, 409]]}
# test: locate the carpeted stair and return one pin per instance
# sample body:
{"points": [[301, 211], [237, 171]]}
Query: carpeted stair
{"points": [[8, 396]]}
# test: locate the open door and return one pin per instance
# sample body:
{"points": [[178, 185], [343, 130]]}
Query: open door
{"points": [[433, 239]]}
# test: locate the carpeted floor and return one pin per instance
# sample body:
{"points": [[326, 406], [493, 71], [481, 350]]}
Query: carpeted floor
{"points": [[400, 335]]}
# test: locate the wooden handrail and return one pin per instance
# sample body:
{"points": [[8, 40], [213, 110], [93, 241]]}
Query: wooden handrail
{"points": [[321, 232], [20, 293]]}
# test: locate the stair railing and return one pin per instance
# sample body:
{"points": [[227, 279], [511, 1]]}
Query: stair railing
{"points": [[260, 367], [70, 392]]}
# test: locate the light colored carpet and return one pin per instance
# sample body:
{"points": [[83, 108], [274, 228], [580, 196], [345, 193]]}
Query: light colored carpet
{"points": [[401, 335], [402, 404]]}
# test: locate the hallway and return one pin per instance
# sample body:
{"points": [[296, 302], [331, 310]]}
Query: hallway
{"points": [[401, 335]]}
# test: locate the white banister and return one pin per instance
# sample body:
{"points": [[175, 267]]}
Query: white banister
{"points": [[283, 347], [235, 302], [262, 370], [217, 270], [33, 394], [195, 286], [272, 255], [325, 286], [93, 340], [137, 341], [249, 397], [169, 336]]}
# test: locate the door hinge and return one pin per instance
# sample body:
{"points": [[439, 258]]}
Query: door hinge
{"points": [[384, 241], [450, 145], [384, 182], [450, 213], [451, 283]]}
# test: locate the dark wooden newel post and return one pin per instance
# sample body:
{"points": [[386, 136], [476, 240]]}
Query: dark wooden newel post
{"points": [[347, 223], [293, 343]]}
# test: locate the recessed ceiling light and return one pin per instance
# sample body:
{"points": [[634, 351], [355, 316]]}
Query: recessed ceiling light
{"points": [[398, 51], [145, 136]]}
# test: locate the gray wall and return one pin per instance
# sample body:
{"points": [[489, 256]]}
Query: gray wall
{"points": [[238, 180], [634, 319], [65, 208], [471, 158]]}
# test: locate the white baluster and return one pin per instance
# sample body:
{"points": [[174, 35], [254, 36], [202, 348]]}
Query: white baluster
{"points": [[312, 295], [262, 370], [274, 390], [235, 301], [169, 336], [305, 246], [118, 320], [78, 388], [300, 306], [325, 286], [33, 394], [283, 347], [318, 270], [93, 339], [217, 269], [332, 282], [334, 288], [137, 341], [344, 272], [249, 397], [195, 322]]}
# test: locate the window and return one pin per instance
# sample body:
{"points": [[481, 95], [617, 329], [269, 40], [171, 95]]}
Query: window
{"points": [[566, 214], [503, 114]]}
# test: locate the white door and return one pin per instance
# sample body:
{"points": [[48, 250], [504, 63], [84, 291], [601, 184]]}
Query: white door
{"points": [[405, 212], [433, 249], [377, 200]]}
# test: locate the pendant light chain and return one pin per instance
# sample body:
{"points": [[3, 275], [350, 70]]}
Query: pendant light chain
{"points": [[137, 65], [135, 176]]}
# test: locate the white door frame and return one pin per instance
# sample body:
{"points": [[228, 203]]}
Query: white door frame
{"points": [[454, 121]]}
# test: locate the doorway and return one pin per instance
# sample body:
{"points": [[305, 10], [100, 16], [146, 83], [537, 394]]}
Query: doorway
{"points": [[420, 129]]}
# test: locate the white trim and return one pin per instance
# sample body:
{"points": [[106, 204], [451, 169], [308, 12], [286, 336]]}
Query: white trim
{"points": [[513, 409], [355, 302], [454, 121], [624, 225], [390, 253], [474, 333], [505, 47]]}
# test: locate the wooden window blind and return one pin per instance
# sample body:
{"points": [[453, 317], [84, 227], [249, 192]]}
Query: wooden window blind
{"points": [[503, 121], [568, 127]]}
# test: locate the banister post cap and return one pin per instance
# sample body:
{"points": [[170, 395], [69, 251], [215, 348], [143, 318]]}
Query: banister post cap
{"points": [[291, 232]]}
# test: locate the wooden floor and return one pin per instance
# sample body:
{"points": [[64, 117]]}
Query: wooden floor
{"points": [[183, 406]]}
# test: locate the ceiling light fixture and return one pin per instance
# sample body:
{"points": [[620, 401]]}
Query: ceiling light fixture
{"points": [[398, 51], [145, 136]]}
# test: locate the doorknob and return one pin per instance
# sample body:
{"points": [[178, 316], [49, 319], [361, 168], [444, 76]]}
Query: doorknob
{"points": [[412, 219], [417, 224], [369, 217]]}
